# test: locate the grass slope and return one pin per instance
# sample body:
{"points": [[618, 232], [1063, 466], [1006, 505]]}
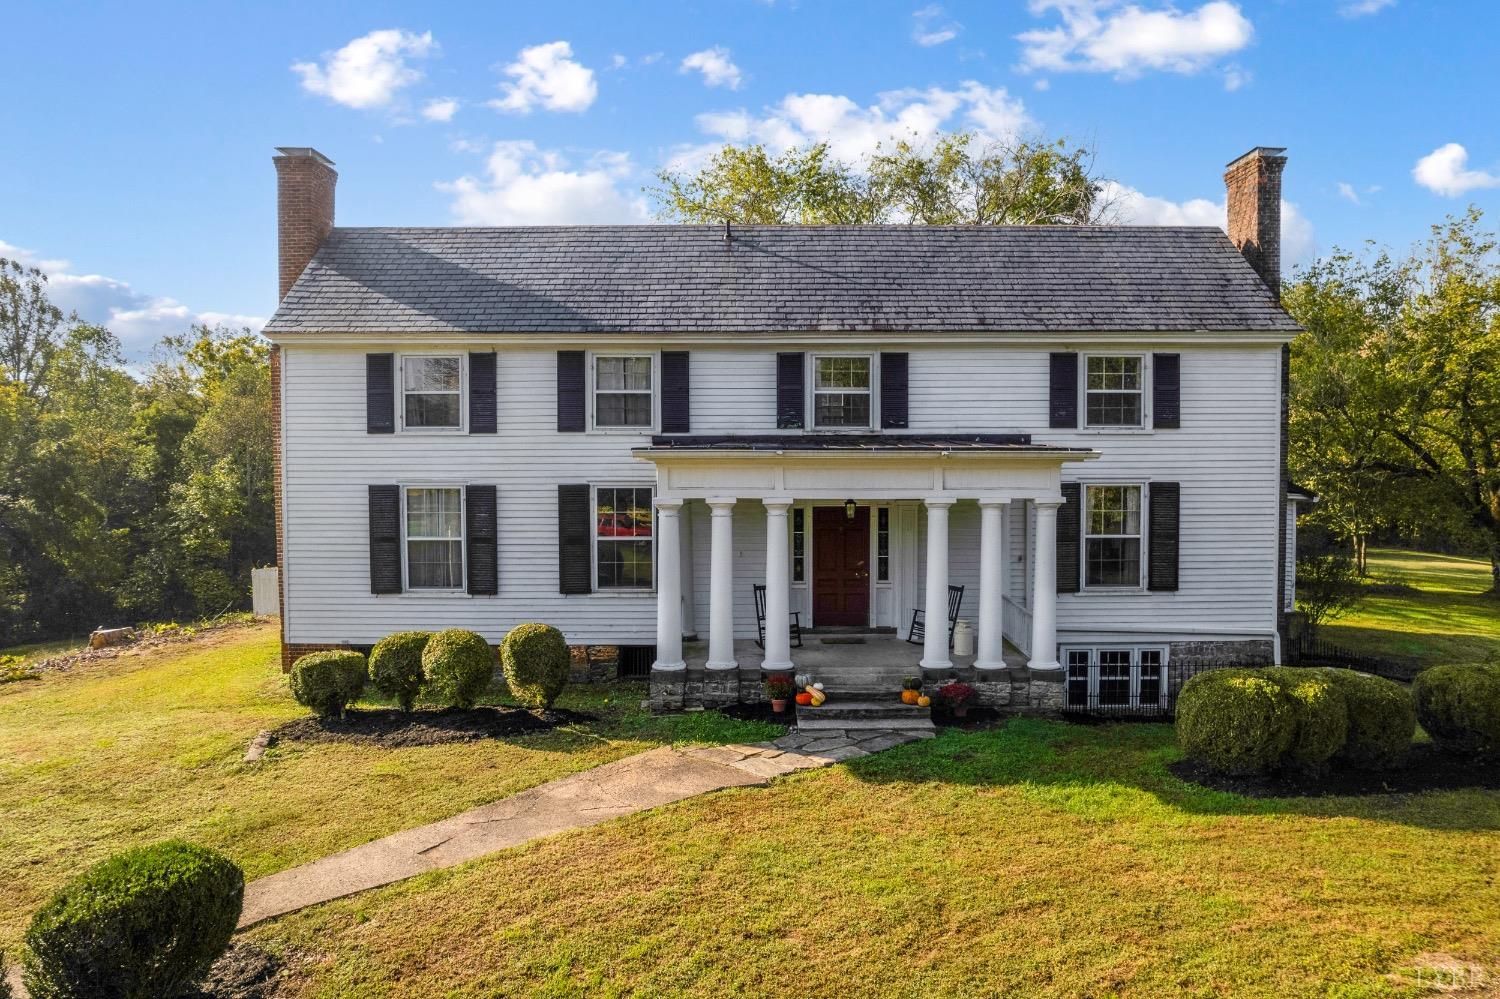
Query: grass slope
{"points": [[1447, 618], [149, 747]]}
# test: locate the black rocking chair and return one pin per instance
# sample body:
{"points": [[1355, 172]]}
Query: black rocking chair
{"points": [[760, 619], [918, 633]]}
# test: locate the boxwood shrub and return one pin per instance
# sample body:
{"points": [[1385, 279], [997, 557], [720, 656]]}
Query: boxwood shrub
{"points": [[144, 924], [1235, 721], [1382, 720], [396, 666], [459, 666], [1459, 706], [328, 682], [536, 661], [1321, 712]]}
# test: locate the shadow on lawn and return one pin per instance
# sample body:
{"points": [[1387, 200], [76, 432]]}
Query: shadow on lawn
{"points": [[1100, 770]]}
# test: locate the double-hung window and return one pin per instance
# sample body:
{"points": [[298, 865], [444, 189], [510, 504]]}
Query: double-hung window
{"points": [[622, 392], [434, 538], [431, 392], [841, 392], [1113, 391], [623, 538], [1112, 536]]}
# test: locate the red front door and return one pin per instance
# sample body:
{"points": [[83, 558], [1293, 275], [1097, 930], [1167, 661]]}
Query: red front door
{"points": [[841, 567]]}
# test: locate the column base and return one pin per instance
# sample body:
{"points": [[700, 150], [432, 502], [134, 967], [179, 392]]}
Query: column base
{"points": [[1037, 666], [721, 664], [662, 667]]}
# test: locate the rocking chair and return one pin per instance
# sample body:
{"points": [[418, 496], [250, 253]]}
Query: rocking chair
{"points": [[918, 633], [760, 619]]}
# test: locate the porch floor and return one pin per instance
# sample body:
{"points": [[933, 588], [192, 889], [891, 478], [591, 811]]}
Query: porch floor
{"points": [[845, 662]]}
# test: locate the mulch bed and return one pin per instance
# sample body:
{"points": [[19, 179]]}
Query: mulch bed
{"points": [[1427, 769], [244, 972], [396, 729], [978, 717], [759, 712]]}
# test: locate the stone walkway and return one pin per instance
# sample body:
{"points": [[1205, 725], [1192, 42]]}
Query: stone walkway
{"points": [[627, 786]]}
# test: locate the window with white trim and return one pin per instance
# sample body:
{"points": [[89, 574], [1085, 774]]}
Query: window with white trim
{"points": [[1117, 677], [883, 545], [799, 545], [623, 396], [1112, 536], [841, 392], [1113, 390], [434, 524], [623, 538], [432, 392]]}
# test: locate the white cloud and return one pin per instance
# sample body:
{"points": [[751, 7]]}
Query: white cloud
{"points": [[1348, 193], [715, 65], [618, 61], [440, 109], [525, 185], [547, 76], [369, 71], [1444, 171], [1110, 36], [138, 319], [1131, 207], [931, 25], [1364, 8], [853, 131], [1236, 76]]}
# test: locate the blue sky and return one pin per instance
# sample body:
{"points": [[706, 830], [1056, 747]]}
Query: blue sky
{"points": [[138, 136]]}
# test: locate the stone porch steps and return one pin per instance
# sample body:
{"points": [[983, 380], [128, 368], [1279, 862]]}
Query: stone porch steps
{"points": [[863, 715], [846, 707]]}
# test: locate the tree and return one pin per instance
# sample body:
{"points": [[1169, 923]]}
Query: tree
{"points": [[958, 180], [1396, 385]]}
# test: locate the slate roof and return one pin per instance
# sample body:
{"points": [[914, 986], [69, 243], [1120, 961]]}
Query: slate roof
{"points": [[853, 442], [655, 279]]}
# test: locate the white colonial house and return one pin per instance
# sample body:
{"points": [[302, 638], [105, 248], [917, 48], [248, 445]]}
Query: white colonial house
{"points": [[626, 431]]}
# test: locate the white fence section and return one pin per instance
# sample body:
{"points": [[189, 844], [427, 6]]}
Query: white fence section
{"points": [[263, 589], [1015, 624]]}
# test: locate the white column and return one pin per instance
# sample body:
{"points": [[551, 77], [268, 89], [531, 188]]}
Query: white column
{"points": [[991, 585], [1044, 588], [668, 586], [778, 588], [721, 585], [935, 613]]}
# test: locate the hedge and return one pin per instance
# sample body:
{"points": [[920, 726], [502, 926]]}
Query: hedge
{"points": [[536, 662], [396, 666], [142, 924], [1459, 706], [1322, 716], [328, 682], [1382, 720], [459, 666], [1235, 721]]}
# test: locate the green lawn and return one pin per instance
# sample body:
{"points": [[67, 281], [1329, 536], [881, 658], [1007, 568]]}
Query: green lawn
{"points": [[1448, 618], [149, 746]]}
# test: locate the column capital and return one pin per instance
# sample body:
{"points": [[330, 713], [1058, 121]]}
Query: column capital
{"points": [[720, 504], [777, 504], [1048, 502], [668, 504], [938, 502], [994, 501]]}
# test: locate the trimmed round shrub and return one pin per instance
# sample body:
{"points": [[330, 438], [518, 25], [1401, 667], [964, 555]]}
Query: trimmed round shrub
{"points": [[143, 924], [1322, 716], [1459, 706], [328, 682], [536, 662], [396, 666], [1235, 721], [1382, 720], [459, 665]]}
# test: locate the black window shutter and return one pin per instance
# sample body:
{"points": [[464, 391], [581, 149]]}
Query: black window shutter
{"points": [[380, 393], [675, 415], [1166, 391], [791, 393], [385, 539], [1166, 503], [570, 392], [480, 535], [482, 393], [1069, 522], [574, 539], [893, 392], [1063, 408]]}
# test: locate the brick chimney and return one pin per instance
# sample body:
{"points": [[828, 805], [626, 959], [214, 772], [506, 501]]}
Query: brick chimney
{"points": [[1254, 185], [304, 209]]}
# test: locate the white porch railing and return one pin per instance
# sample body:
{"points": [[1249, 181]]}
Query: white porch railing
{"points": [[1015, 624]]}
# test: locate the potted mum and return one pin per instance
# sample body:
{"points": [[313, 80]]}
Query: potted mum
{"points": [[779, 688], [956, 696]]}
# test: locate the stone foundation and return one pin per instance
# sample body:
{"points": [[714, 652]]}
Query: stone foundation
{"points": [[594, 663], [1195, 657]]}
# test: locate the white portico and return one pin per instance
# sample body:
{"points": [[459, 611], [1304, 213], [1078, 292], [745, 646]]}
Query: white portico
{"points": [[817, 504]]}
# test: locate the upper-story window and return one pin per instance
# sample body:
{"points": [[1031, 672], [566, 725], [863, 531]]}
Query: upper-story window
{"points": [[1113, 390], [431, 392], [1112, 536], [841, 392], [622, 392]]}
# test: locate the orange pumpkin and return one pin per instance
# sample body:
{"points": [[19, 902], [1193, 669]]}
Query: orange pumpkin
{"points": [[910, 696], [804, 698], [924, 701]]}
